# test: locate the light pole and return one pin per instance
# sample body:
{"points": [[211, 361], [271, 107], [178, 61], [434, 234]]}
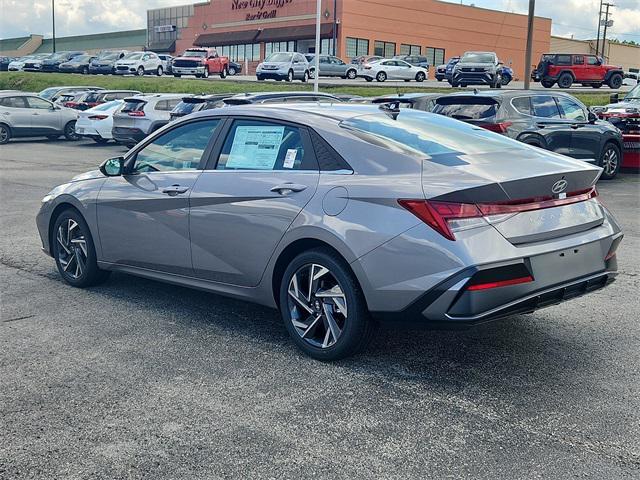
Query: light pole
{"points": [[316, 58], [527, 56], [53, 21]]}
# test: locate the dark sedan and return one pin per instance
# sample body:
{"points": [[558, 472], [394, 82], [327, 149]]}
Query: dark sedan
{"points": [[556, 122], [79, 64], [4, 63], [53, 62]]}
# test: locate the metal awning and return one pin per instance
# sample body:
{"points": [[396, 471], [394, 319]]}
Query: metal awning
{"points": [[165, 46], [298, 32], [226, 38]]}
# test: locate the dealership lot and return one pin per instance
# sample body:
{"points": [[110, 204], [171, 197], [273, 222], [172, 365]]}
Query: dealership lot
{"points": [[136, 378]]}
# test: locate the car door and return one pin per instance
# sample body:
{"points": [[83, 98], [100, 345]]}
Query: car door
{"points": [[585, 137], [261, 175], [555, 130], [339, 67], [592, 68], [45, 118], [15, 112], [405, 70], [143, 215], [299, 65]]}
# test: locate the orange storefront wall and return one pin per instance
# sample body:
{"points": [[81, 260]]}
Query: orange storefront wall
{"points": [[431, 23]]}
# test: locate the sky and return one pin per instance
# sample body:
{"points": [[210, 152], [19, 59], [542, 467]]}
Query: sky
{"points": [[76, 17]]}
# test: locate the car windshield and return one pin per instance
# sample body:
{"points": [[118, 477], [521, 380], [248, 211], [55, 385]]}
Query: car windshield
{"points": [[473, 57], [81, 58], [634, 93], [278, 57], [132, 56], [48, 92], [58, 56], [110, 56], [427, 135], [195, 53]]}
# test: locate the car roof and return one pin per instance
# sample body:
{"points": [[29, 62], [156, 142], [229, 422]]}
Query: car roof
{"points": [[154, 96], [503, 93], [264, 95], [17, 93]]}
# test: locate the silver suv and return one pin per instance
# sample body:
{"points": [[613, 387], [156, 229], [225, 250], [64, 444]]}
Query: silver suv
{"points": [[141, 115], [287, 66], [477, 68], [27, 115]]}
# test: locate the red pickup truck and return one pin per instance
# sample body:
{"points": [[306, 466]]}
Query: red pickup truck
{"points": [[200, 62]]}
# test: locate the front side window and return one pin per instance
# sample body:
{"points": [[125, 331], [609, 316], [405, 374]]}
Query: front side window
{"points": [[571, 109], [592, 60], [39, 103], [258, 145], [545, 106], [177, 149]]}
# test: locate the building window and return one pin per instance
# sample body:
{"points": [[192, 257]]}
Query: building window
{"points": [[240, 53], [435, 56], [384, 49], [406, 49], [326, 46], [357, 47], [271, 47]]}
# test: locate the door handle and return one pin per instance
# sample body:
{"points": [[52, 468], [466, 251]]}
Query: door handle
{"points": [[540, 125], [287, 188], [174, 190]]}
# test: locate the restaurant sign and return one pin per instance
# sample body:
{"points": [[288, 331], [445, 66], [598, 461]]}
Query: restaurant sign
{"points": [[265, 8]]}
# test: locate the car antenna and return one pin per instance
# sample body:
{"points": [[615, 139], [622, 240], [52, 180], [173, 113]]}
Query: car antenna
{"points": [[391, 108]]}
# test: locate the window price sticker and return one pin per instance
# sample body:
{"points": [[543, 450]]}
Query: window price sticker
{"points": [[290, 158]]}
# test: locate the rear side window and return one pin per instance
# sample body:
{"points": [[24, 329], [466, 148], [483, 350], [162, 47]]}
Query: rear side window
{"points": [[258, 145], [167, 105], [563, 60], [578, 60], [133, 106], [545, 106], [185, 108], [522, 105], [466, 109], [92, 97], [13, 102]]}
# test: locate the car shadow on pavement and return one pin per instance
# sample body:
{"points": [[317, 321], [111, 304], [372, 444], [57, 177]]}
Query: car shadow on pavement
{"points": [[523, 352]]}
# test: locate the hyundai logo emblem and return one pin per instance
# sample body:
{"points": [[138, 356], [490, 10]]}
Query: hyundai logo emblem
{"points": [[560, 186]]}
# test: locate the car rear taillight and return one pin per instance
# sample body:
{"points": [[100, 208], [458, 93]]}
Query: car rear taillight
{"points": [[98, 117], [448, 217], [500, 283], [136, 113], [500, 127], [71, 104]]}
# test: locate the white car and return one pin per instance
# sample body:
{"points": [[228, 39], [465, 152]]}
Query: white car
{"points": [[18, 64], [392, 69], [139, 63], [96, 123]]}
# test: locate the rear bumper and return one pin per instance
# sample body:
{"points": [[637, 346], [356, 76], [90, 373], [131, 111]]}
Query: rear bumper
{"points": [[128, 136]]}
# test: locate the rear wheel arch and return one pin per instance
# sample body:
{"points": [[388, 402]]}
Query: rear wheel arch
{"points": [[533, 139]]}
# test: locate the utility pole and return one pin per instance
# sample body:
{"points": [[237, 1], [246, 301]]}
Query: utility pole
{"points": [[527, 56], [316, 59], [599, 22], [606, 24], [335, 25], [53, 21]]}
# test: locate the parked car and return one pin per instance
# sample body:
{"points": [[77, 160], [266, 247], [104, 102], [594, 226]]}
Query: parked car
{"points": [[192, 104], [52, 93], [28, 115], [139, 63], [331, 66], [17, 64], [4, 63], [53, 62], [633, 77], [340, 216], [624, 114], [477, 68], [200, 62], [565, 69], [98, 97], [441, 72], [506, 75], [415, 60], [557, 122], [105, 62], [280, 97], [451, 64], [33, 63], [70, 99], [390, 69], [78, 64], [365, 59], [287, 66], [96, 123], [235, 68], [167, 63], [141, 115], [417, 101]]}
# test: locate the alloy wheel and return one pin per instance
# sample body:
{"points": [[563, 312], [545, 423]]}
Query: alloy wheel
{"points": [[4, 134], [610, 161], [317, 305], [72, 248]]}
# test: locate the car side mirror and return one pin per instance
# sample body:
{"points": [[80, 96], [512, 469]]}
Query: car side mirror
{"points": [[592, 117], [614, 98], [112, 167]]}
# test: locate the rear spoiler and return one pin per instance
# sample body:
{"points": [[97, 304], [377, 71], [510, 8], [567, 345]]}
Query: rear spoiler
{"points": [[466, 100]]}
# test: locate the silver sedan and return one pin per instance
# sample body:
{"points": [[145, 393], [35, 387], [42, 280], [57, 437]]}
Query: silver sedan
{"points": [[392, 69]]}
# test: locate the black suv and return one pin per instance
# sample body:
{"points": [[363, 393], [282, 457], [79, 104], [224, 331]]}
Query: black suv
{"points": [[556, 122]]}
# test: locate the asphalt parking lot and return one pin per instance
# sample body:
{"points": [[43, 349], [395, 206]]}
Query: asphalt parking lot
{"points": [[138, 379]]}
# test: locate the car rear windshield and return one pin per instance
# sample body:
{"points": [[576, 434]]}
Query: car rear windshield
{"points": [[477, 58], [92, 97], [195, 53], [424, 134], [132, 56], [133, 106], [107, 106], [278, 57], [462, 108]]}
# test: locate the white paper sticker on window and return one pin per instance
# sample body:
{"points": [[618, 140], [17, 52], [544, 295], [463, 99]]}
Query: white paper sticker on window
{"points": [[290, 158], [255, 147]]}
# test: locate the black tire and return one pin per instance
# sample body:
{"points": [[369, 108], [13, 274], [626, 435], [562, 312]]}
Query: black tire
{"points": [[290, 76], [85, 70], [439, 79], [205, 74], [90, 274], [352, 74], [615, 81], [547, 83], [420, 77], [5, 134], [100, 140], [305, 77], [368, 79], [610, 161], [356, 328], [177, 75], [53, 137], [70, 132], [505, 80], [260, 79], [159, 71], [140, 71], [565, 80], [454, 84], [223, 73], [381, 77], [232, 71]]}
